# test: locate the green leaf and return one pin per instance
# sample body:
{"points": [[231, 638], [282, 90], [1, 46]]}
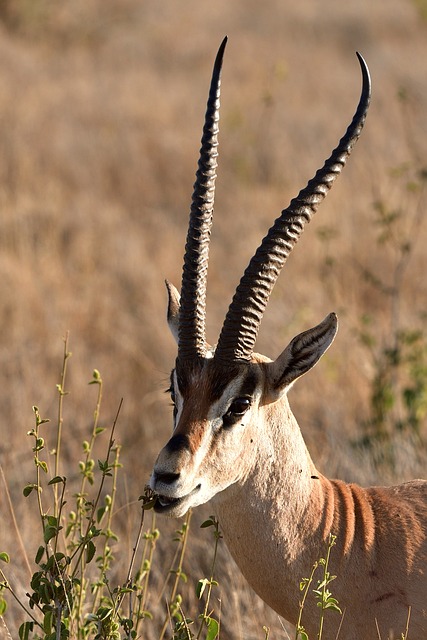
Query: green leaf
{"points": [[57, 480], [148, 505], [201, 586], [90, 551], [4, 557], [43, 466], [103, 613], [96, 377], [28, 489], [39, 554], [146, 614], [58, 556], [54, 562], [39, 420], [47, 622], [110, 535], [183, 576], [94, 532], [303, 584], [49, 533], [39, 444], [333, 604], [25, 629], [3, 606], [208, 523], [100, 513], [213, 628], [104, 467]]}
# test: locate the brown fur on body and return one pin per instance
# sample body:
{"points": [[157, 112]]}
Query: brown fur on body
{"points": [[380, 556]]}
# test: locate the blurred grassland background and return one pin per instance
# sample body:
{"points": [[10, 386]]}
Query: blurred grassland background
{"points": [[101, 108]]}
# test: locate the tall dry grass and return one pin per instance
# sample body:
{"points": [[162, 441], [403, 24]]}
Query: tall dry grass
{"points": [[101, 105]]}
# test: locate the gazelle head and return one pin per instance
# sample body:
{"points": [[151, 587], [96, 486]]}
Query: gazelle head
{"points": [[223, 396]]}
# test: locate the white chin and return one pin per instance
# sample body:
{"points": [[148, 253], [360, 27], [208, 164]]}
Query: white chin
{"points": [[177, 507]]}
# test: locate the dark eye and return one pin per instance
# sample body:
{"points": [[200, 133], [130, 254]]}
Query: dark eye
{"points": [[236, 410], [172, 395], [239, 406]]}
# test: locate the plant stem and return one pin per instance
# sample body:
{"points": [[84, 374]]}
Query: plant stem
{"points": [[325, 583], [217, 535], [150, 542], [178, 570], [93, 435], [91, 518], [307, 584], [62, 393], [15, 524], [13, 594]]}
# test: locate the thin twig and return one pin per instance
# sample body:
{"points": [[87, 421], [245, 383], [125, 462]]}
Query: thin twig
{"points": [[15, 524]]}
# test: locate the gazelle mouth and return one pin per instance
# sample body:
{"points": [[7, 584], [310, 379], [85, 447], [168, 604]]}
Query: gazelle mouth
{"points": [[167, 505]]}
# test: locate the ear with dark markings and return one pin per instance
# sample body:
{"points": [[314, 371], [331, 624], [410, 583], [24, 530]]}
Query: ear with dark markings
{"points": [[302, 353], [173, 309]]}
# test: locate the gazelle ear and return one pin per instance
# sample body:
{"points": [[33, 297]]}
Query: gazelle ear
{"points": [[302, 353], [173, 309]]}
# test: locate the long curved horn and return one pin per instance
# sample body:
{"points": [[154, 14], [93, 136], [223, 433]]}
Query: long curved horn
{"points": [[241, 325], [192, 338]]}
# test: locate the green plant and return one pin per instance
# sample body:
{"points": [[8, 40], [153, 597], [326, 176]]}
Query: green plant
{"points": [[205, 586], [74, 590], [398, 398], [323, 595]]}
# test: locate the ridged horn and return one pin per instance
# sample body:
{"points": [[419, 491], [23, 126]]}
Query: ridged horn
{"points": [[241, 325], [192, 336]]}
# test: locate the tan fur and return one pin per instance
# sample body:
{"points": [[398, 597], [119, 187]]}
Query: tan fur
{"points": [[237, 443], [276, 512]]}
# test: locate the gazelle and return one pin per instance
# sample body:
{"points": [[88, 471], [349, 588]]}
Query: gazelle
{"points": [[236, 442]]}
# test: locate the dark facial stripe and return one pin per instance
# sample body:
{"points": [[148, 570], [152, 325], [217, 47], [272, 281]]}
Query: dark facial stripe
{"points": [[202, 384], [210, 377], [250, 383]]}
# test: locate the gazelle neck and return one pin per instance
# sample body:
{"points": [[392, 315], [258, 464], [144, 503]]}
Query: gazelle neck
{"points": [[283, 486]]}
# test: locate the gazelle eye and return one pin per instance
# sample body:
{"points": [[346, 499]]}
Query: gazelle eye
{"points": [[171, 392], [236, 410], [239, 406], [173, 399]]}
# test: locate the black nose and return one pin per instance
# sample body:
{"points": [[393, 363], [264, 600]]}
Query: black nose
{"points": [[166, 478], [178, 442]]}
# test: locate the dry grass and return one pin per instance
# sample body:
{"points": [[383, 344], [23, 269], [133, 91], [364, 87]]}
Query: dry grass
{"points": [[101, 105]]}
